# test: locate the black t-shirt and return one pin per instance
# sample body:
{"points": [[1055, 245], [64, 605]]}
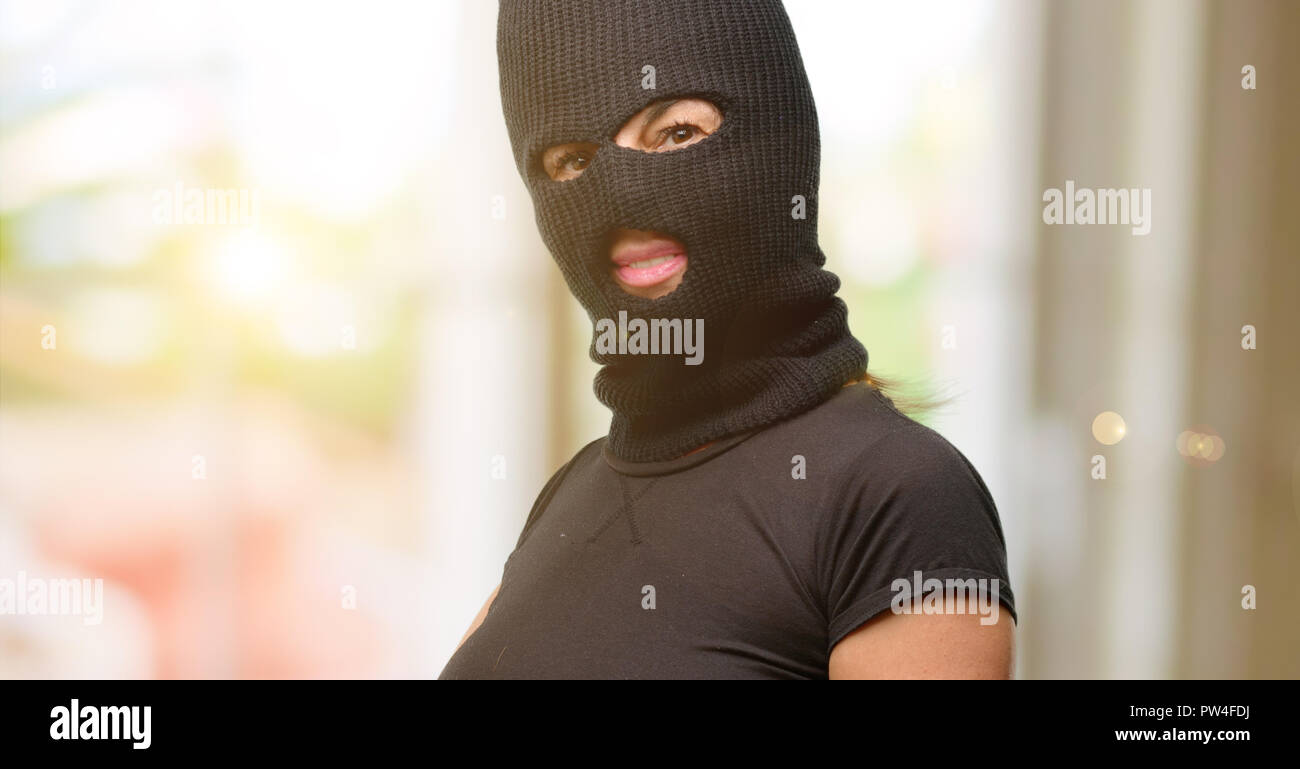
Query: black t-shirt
{"points": [[751, 558]]}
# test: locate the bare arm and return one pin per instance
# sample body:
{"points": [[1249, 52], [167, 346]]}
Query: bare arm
{"points": [[927, 646], [478, 618]]}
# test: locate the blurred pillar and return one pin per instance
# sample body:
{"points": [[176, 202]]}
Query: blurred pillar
{"points": [[1242, 513], [1121, 108], [1141, 574]]}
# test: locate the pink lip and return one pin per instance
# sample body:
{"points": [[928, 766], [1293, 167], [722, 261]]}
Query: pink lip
{"points": [[648, 276]]}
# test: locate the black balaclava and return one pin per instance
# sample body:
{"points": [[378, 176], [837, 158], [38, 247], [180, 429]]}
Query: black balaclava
{"points": [[776, 339]]}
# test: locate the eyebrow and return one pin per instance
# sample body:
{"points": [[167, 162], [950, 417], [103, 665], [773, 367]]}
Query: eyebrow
{"points": [[658, 111]]}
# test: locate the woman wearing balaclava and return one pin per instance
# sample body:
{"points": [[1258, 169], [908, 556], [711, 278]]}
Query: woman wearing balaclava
{"points": [[758, 508]]}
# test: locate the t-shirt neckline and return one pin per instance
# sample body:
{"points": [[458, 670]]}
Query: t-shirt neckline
{"points": [[677, 464]]}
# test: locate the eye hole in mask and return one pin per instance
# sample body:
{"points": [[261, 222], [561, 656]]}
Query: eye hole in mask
{"points": [[663, 126]]}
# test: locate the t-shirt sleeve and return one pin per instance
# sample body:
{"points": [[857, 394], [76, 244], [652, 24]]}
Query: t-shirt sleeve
{"points": [[914, 504]]}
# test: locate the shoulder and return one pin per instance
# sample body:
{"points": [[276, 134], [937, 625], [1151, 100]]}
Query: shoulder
{"points": [[858, 437], [875, 472], [895, 498], [584, 456], [904, 455], [907, 461], [866, 476]]}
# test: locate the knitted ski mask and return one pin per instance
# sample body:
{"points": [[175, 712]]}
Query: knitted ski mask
{"points": [[775, 336]]}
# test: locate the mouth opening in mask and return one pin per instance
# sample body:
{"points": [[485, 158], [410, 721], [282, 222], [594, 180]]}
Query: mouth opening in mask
{"points": [[645, 263]]}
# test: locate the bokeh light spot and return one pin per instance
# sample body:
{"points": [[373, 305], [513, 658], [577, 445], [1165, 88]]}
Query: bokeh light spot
{"points": [[1108, 428], [1200, 445]]}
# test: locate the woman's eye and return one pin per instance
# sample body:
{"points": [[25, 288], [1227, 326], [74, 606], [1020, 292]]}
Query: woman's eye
{"points": [[574, 161], [670, 124], [567, 161], [678, 135]]}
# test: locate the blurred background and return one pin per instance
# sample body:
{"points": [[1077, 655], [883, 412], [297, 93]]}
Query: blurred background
{"points": [[284, 363]]}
